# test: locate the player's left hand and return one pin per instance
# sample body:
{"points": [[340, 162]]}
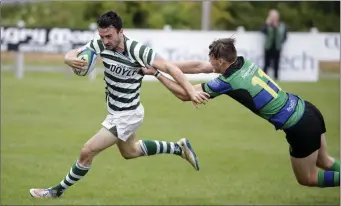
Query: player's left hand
{"points": [[199, 97], [148, 70]]}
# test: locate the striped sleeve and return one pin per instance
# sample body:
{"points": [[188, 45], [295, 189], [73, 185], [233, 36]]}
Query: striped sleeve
{"points": [[209, 91], [143, 54], [96, 45], [216, 87]]}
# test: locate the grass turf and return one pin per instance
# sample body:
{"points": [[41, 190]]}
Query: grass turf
{"points": [[46, 118]]}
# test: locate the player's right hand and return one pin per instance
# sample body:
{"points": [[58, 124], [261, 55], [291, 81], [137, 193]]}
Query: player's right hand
{"points": [[75, 63]]}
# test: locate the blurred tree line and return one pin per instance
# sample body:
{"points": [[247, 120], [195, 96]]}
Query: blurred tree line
{"points": [[225, 15]]}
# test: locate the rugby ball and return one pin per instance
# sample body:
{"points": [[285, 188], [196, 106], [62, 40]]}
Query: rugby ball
{"points": [[90, 57]]}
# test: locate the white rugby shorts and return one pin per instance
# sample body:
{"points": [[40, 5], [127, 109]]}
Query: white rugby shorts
{"points": [[126, 122]]}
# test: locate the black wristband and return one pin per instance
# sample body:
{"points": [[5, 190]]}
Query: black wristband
{"points": [[157, 74]]}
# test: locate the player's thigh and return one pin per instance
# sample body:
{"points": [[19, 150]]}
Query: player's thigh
{"points": [[303, 142], [323, 148], [127, 124], [324, 160], [305, 169], [129, 147], [101, 140]]}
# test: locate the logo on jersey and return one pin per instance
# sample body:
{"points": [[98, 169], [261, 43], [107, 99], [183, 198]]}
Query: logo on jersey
{"points": [[123, 70], [250, 70], [292, 105]]}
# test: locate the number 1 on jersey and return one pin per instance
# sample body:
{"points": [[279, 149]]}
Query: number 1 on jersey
{"points": [[258, 81]]}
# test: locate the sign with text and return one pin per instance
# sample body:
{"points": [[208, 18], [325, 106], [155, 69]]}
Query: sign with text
{"points": [[299, 62]]}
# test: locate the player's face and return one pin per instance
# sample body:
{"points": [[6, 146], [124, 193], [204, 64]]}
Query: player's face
{"points": [[110, 37], [217, 64]]}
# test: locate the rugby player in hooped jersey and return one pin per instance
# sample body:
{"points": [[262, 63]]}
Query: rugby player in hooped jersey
{"points": [[122, 59], [245, 82]]}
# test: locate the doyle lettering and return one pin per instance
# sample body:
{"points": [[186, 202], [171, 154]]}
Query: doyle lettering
{"points": [[122, 70]]}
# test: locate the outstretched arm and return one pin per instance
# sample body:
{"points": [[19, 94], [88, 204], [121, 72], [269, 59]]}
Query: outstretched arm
{"points": [[173, 86], [168, 67], [145, 56], [194, 67]]}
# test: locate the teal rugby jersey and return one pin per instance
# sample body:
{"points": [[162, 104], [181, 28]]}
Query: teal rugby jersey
{"points": [[245, 82]]}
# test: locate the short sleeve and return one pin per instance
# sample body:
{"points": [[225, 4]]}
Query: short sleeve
{"points": [[96, 45], [141, 53], [216, 87]]}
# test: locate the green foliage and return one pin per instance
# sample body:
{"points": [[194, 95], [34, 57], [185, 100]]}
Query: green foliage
{"points": [[225, 15]]}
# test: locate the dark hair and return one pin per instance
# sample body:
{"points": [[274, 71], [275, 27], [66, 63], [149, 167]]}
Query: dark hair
{"points": [[223, 48], [108, 19]]}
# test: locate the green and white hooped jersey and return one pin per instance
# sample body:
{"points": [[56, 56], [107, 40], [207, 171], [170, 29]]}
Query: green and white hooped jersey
{"points": [[122, 72]]}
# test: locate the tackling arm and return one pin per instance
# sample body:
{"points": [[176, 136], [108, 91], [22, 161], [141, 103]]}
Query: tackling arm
{"points": [[173, 86], [180, 78], [194, 67]]}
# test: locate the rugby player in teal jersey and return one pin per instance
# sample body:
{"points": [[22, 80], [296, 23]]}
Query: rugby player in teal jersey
{"points": [[245, 82]]}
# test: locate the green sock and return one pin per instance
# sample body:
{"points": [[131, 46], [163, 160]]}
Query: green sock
{"points": [[76, 173], [152, 147], [336, 166], [328, 179]]}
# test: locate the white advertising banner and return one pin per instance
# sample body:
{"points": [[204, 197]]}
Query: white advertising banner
{"points": [[299, 60], [328, 46]]}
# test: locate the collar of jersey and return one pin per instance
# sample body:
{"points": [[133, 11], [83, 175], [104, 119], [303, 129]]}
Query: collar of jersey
{"points": [[238, 64]]}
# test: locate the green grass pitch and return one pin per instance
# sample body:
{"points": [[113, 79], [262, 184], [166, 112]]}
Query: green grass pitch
{"points": [[46, 119]]}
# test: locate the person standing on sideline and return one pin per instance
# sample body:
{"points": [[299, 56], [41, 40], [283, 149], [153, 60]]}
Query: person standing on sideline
{"points": [[275, 33]]}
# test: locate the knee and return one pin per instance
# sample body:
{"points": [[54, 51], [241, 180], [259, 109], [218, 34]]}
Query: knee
{"points": [[86, 154], [309, 181]]}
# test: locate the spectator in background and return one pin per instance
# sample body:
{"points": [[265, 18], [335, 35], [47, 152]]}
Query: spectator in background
{"points": [[275, 35]]}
